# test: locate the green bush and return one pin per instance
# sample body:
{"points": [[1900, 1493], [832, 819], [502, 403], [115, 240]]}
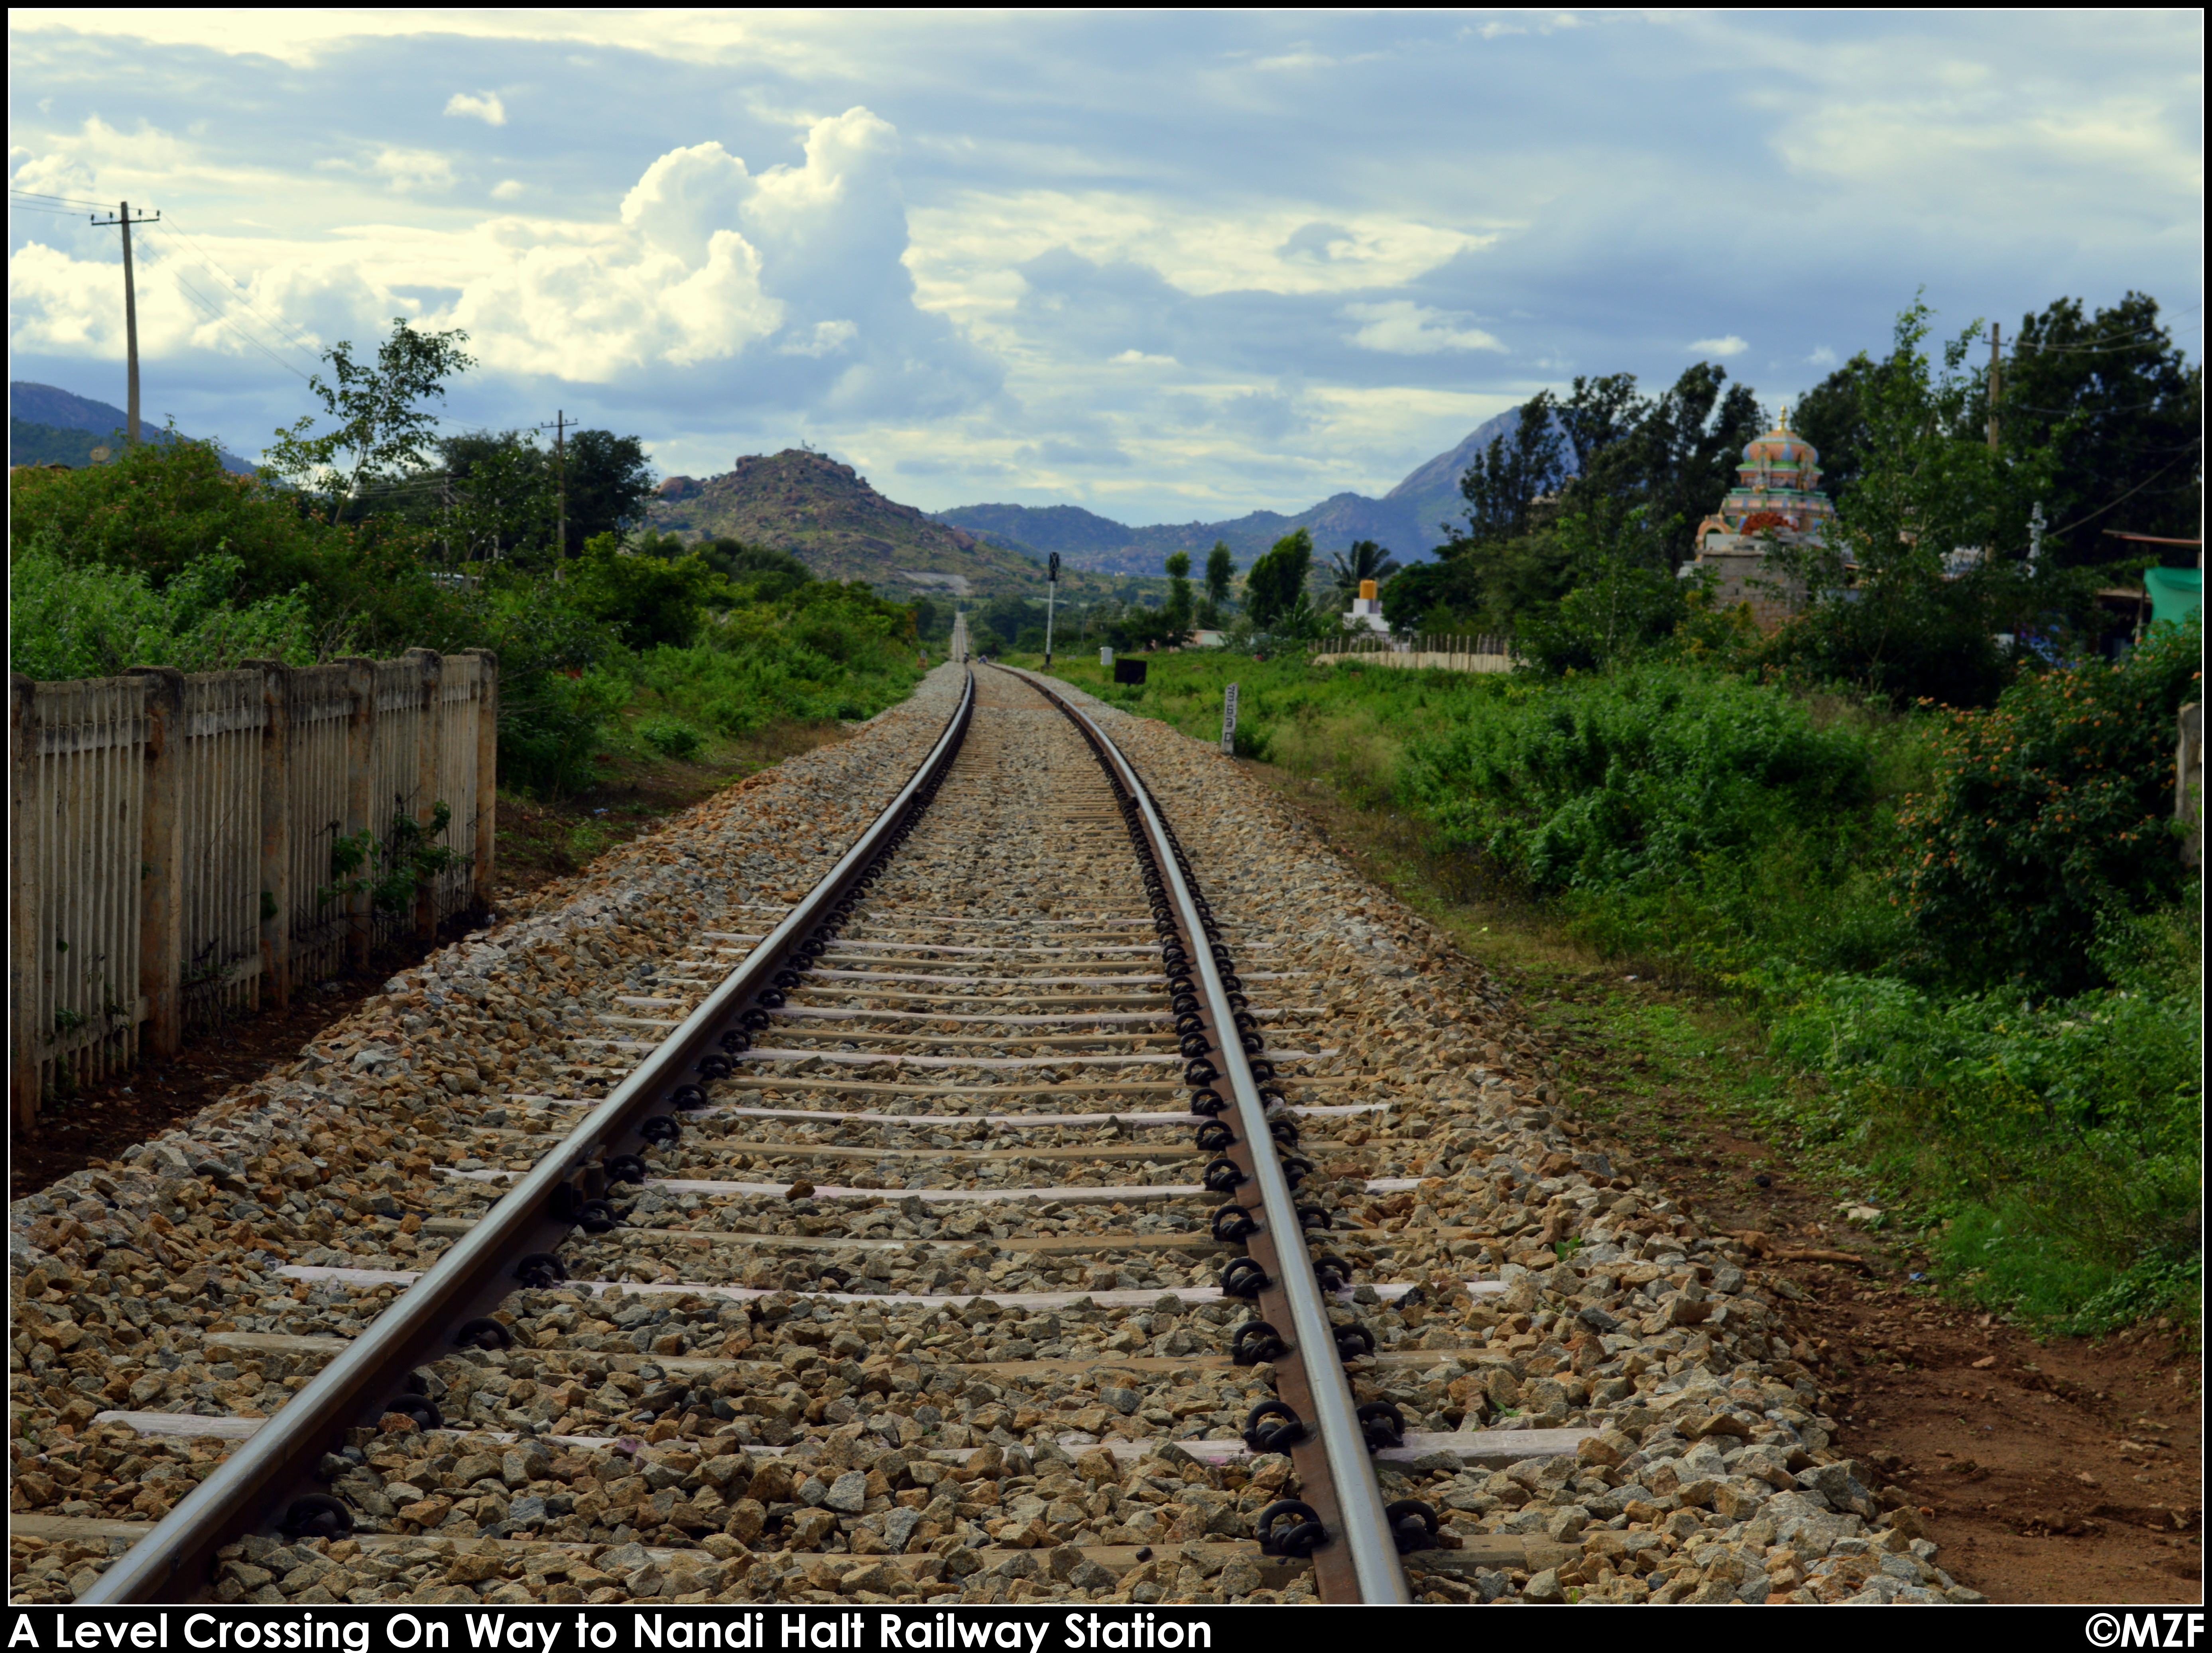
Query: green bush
{"points": [[159, 508], [2048, 810], [2059, 1138], [651, 601], [71, 621], [669, 737], [835, 652], [1648, 775]]}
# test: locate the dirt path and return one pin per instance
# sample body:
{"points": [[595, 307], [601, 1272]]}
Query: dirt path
{"points": [[2054, 1469]]}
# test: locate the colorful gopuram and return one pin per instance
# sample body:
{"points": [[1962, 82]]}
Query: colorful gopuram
{"points": [[1777, 498]]}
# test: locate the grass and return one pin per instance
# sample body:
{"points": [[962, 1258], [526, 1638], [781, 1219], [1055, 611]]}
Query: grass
{"points": [[634, 787]]}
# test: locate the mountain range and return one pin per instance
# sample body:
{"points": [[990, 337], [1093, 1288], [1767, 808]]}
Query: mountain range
{"points": [[46, 423], [1407, 520]]}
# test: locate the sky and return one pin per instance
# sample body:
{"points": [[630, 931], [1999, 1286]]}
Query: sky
{"points": [[1166, 265]]}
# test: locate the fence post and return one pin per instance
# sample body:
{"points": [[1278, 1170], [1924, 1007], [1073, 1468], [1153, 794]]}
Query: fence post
{"points": [[361, 753], [487, 844], [26, 823], [275, 832], [162, 822], [430, 730], [2189, 783]]}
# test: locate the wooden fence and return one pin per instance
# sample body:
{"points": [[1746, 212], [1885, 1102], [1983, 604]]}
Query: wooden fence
{"points": [[1443, 654], [170, 841]]}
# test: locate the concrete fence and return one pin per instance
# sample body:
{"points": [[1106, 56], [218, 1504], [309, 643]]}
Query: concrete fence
{"points": [[170, 841], [1441, 653]]}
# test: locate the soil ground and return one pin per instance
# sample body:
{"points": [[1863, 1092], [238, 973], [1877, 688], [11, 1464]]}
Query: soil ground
{"points": [[540, 842], [2047, 1468]]}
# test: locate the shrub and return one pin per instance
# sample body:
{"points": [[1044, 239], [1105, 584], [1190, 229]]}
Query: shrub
{"points": [[650, 600], [669, 737], [2059, 1138], [71, 621], [1644, 776], [159, 509], [2046, 810]]}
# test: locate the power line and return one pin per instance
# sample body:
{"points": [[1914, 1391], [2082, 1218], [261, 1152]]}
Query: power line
{"points": [[210, 306], [2133, 407], [50, 212], [40, 196], [194, 246], [2109, 343]]}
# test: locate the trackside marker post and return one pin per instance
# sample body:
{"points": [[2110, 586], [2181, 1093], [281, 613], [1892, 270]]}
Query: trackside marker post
{"points": [[1228, 721]]}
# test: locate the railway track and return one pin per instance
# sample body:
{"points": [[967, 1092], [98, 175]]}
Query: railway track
{"points": [[1025, 1208]]}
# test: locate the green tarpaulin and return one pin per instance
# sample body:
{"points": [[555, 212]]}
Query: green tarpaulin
{"points": [[2175, 593]]}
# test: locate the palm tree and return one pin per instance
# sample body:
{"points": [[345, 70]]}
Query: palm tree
{"points": [[1365, 561]]}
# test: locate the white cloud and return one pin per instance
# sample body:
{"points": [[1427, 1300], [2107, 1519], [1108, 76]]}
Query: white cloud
{"points": [[1822, 356], [508, 189], [484, 106], [1727, 345], [963, 244], [1400, 327], [703, 261], [410, 170], [1139, 359]]}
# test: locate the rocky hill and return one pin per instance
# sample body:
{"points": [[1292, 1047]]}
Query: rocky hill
{"points": [[827, 515]]}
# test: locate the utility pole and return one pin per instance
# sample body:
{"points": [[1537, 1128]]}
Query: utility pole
{"points": [[561, 473], [1996, 372], [130, 308], [1051, 592], [561, 478]]}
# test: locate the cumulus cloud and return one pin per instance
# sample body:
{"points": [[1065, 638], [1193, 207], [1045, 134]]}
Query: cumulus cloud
{"points": [[484, 106], [704, 261], [1822, 356], [508, 189], [1401, 327], [1728, 344]]}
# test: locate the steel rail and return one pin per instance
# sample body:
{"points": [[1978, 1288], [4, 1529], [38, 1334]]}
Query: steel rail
{"points": [[1365, 1528], [249, 1490]]}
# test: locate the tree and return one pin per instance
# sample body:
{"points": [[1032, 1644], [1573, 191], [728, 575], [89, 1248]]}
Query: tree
{"points": [[1503, 484], [1220, 570], [1925, 562], [497, 498], [1674, 459], [1006, 623], [1275, 584], [2121, 409], [648, 600], [1832, 416], [772, 576], [1177, 611], [379, 428], [1365, 561], [1600, 412], [1624, 600], [609, 485]]}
